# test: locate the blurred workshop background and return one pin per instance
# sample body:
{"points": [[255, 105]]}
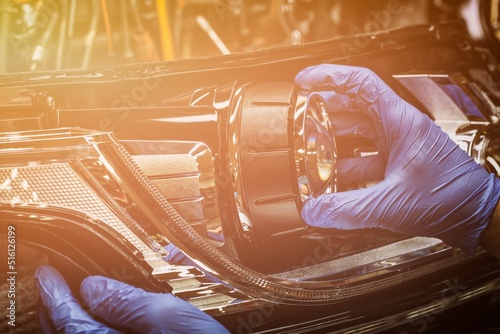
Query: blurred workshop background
{"points": [[63, 34]]}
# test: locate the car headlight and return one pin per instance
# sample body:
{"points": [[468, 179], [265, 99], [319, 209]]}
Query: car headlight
{"points": [[281, 147]]}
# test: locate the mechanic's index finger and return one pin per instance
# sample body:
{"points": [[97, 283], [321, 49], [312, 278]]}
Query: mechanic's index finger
{"points": [[360, 84], [342, 79], [62, 307]]}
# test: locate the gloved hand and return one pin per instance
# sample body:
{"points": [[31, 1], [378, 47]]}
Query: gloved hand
{"points": [[119, 304], [430, 186]]}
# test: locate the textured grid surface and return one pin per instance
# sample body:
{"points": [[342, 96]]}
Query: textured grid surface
{"points": [[373, 256], [58, 185]]}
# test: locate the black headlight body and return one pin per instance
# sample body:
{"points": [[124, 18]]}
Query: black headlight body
{"points": [[216, 158]]}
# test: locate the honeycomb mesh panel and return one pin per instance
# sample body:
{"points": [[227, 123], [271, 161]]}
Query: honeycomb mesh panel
{"points": [[58, 185]]}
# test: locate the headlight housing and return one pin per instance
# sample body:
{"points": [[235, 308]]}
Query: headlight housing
{"points": [[281, 148]]}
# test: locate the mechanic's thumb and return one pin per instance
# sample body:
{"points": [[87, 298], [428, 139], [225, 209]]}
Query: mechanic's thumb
{"points": [[144, 312], [347, 210]]}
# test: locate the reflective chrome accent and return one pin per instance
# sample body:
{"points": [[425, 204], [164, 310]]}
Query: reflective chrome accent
{"points": [[281, 148], [485, 148], [184, 173], [467, 122], [350, 268], [445, 99], [234, 153], [314, 145]]}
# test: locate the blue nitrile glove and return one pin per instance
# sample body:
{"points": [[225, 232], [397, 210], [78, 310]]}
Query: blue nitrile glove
{"points": [[119, 304], [176, 256], [430, 186]]}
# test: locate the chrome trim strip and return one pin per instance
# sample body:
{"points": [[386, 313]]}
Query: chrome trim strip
{"points": [[184, 173], [377, 259]]}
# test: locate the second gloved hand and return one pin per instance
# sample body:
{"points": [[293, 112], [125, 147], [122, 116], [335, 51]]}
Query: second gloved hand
{"points": [[120, 304], [430, 186]]}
